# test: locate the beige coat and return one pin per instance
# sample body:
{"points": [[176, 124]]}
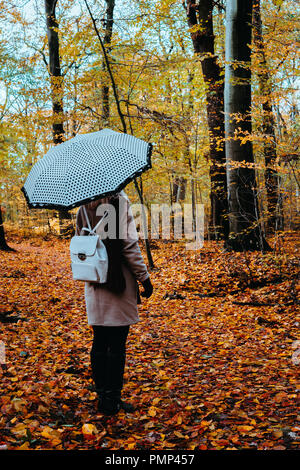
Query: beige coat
{"points": [[104, 307]]}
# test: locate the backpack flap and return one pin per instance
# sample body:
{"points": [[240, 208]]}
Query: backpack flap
{"points": [[84, 246], [89, 260], [83, 250]]}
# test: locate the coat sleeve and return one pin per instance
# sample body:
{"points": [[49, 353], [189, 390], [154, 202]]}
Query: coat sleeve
{"points": [[131, 251]]}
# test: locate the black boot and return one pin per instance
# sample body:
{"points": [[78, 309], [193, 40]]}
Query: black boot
{"points": [[111, 402], [98, 365], [106, 404]]}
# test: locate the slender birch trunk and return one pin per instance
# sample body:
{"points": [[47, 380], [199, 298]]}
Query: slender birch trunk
{"points": [[138, 188], [272, 179]]}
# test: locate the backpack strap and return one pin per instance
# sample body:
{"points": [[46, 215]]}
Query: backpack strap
{"points": [[90, 229], [87, 219]]}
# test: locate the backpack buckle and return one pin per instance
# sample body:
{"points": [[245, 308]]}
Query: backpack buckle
{"points": [[82, 256]]}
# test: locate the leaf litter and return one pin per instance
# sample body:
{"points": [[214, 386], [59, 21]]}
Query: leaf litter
{"points": [[209, 366]]}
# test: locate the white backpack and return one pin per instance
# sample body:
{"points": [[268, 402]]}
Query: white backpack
{"points": [[89, 260]]}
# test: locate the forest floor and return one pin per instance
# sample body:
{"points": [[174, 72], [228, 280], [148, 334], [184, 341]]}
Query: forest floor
{"points": [[213, 363]]}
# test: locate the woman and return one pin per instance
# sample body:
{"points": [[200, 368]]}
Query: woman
{"points": [[112, 307]]}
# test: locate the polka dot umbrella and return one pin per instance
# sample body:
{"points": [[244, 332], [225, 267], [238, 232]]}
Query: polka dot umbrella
{"points": [[87, 167]]}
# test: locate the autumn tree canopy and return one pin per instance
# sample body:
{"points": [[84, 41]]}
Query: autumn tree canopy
{"points": [[213, 363], [163, 79]]}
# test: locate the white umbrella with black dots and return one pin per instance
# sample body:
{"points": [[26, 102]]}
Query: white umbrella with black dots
{"points": [[87, 167]]}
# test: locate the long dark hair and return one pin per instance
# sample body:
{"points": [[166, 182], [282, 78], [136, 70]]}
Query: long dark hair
{"points": [[114, 246]]}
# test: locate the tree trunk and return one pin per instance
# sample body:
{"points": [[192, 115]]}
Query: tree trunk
{"points": [[245, 231], [55, 72], [178, 189], [122, 119], [108, 27], [272, 179], [199, 15], [56, 80], [139, 190], [3, 245]]}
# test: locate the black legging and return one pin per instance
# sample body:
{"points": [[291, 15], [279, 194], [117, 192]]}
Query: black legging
{"points": [[110, 339], [108, 355]]}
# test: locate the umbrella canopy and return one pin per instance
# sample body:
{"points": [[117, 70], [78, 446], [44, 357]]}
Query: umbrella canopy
{"points": [[87, 167]]}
